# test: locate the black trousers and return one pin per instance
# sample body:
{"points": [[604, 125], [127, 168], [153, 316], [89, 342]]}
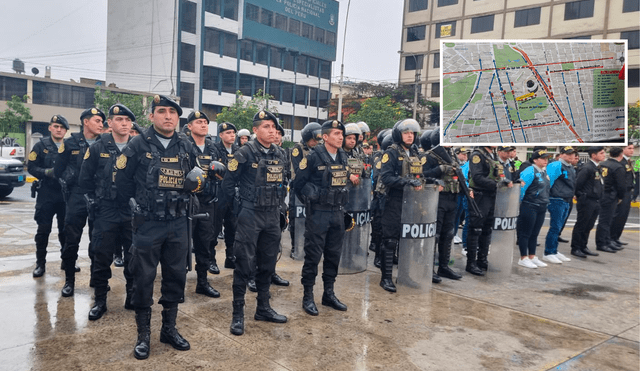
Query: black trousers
{"points": [[620, 216], [608, 204], [203, 235], [75, 220], [45, 211], [163, 242], [377, 209], [391, 223], [447, 207], [257, 244], [224, 216], [588, 209], [528, 227], [480, 227], [109, 234], [323, 235]]}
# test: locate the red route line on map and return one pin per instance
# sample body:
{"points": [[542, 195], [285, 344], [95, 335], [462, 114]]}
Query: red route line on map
{"points": [[577, 69], [534, 65], [495, 131]]}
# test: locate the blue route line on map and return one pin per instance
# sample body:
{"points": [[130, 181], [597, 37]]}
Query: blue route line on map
{"points": [[517, 111], [568, 103], [494, 109], [504, 98], [583, 106]]}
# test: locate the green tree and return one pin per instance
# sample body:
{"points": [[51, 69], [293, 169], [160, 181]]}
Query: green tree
{"points": [[634, 116], [16, 115], [379, 113], [241, 112], [104, 99]]}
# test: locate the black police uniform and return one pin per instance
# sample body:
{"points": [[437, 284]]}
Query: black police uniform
{"points": [[299, 151], [112, 219], [259, 174], [49, 201], [615, 187], [485, 172], [377, 207], [203, 229], [622, 210], [589, 188]]}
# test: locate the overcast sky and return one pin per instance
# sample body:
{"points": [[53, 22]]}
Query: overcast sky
{"points": [[71, 37]]}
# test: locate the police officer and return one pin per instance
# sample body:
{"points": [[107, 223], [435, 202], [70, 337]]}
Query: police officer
{"points": [[504, 156], [351, 134], [49, 201], [224, 214], [615, 187], [377, 203], [623, 208], [243, 137], [320, 183], [311, 136], [589, 187], [153, 166], [112, 219], [257, 169], [486, 173], [394, 177], [67, 170], [203, 228]]}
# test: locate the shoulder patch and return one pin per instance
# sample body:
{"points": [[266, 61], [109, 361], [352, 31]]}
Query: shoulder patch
{"points": [[121, 162], [378, 165], [605, 171], [33, 155], [303, 164], [86, 154], [423, 160], [233, 165], [61, 148], [475, 159], [295, 152], [385, 158]]}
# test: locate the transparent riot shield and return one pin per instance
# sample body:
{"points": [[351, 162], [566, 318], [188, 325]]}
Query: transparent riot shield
{"points": [[417, 239], [298, 220], [356, 242], [503, 236]]}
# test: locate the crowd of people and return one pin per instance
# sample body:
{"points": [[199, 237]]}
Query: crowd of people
{"points": [[159, 196]]}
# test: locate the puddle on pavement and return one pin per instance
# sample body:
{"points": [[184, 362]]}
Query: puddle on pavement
{"points": [[584, 291]]}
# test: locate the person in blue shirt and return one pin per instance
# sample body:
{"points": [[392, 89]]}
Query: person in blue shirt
{"points": [[562, 179], [534, 198]]}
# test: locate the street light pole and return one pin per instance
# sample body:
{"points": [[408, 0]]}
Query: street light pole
{"points": [[344, 40]]}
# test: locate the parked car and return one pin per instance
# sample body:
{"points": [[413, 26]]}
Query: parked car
{"points": [[11, 175], [9, 148]]}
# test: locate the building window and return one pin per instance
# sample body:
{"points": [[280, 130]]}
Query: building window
{"points": [[289, 62], [301, 65], [266, 17], [210, 78], [294, 26], [276, 58], [330, 38], [633, 75], [482, 24], [231, 9], [578, 9], [435, 89], [245, 85], [253, 12], [324, 98], [416, 33], [325, 70], [318, 35], [187, 57], [445, 29], [287, 92], [527, 17], [54, 94], [417, 5], [228, 81], [281, 22], [447, 2], [212, 40], [313, 67], [436, 60], [259, 84], [189, 16], [313, 97], [413, 61], [212, 6], [230, 48], [246, 50], [10, 87], [186, 94], [630, 6], [301, 94], [274, 90], [307, 31], [632, 38], [262, 54]]}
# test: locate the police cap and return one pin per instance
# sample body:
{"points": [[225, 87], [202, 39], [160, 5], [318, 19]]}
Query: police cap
{"points": [[121, 110], [264, 115], [568, 150], [462, 150], [541, 153], [332, 124], [164, 101], [90, 112], [506, 148], [222, 127], [59, 119], [195, 115]]}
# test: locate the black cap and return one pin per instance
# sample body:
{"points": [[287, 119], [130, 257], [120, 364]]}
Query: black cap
{"points": [[506, 148], [136, 127], [541, 153], [90, 112], [195, 115], [332, 124], [59, 119], [264, 115], [462, 149], [595, 149], [568, 150], [164, 101], [279, 128], [226, 126], [121, 110]]}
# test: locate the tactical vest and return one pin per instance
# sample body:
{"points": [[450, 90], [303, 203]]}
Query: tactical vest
{"points": [[379, 187], [334, 180], [78, 149], [106, 177], [267, 189], [496, 170], [50, 154], [304, 149], [203, 161], [450, 179]]}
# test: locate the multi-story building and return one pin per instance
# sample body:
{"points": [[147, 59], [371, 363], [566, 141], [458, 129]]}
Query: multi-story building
{"points": [[204, 51], [427, 21]]}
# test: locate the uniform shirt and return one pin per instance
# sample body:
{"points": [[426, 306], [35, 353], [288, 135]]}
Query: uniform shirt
{"points": [[223, 154], [629, 175], [562, 177], [69, 161], [391, 172], [589, 181], [312, 168], [613, 175], [299, 151], [42, 157], [479, 170]]}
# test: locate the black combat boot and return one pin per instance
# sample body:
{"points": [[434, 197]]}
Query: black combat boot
{"points": [[278, 281], [69, 283], [329, 298], [100, 306], [376, 260], [308, 304], [483, 251], [143, 320], [386, 257], [237, 319], [39, 270], [264, 312], [472, 248], [128, 301], [251, 285], [203, 287], [169, 334], [444, 255]]}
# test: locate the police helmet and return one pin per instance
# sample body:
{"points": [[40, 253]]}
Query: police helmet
{"points": [[194, 182], [363, 127], [435, 137], [386, 142], [351, 128], [381, 135], [244, 133], [217, 170], [312, 130], [425, 140], [404, 126]]}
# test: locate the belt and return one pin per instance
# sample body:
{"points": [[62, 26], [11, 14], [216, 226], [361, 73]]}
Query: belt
{"points": [[251, 205], [325, 207]]}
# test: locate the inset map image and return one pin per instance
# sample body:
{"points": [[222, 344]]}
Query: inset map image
{"points": [[531, 91]]}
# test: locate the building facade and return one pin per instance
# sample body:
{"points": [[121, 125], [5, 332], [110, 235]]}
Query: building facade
{"points": [[205, 51], [426, 22]]}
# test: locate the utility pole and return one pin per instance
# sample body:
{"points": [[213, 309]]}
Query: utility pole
{"points": [[344, 40]]}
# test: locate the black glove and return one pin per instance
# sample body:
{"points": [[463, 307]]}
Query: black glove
{"points": [[414, 182]]}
